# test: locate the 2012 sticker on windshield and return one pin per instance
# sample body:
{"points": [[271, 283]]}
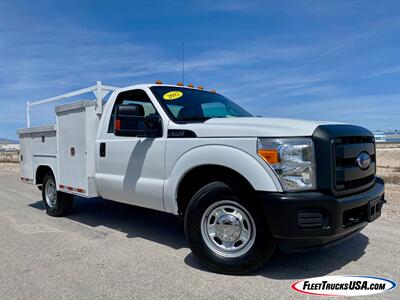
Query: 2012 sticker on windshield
{"points": [[172, 95]]}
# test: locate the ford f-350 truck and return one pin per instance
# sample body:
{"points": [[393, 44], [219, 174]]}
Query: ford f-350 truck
{"points": [[244, 185]]}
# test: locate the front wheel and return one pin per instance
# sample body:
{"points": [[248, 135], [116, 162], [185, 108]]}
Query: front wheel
{"points": [[57, 204], [226, 231]]}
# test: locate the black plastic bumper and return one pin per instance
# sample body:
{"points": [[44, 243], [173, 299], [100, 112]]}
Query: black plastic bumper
{"points": [[312, 220]]}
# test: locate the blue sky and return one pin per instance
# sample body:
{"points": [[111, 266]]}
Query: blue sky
{"points": [[324, 60]]}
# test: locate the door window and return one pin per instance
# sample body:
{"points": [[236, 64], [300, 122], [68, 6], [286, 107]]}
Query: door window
{"points": [[132, 97]]}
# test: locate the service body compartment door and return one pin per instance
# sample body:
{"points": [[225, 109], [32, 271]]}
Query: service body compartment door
{"points": [[71, 150], [37, 143], [26, 163], [44, 143]]}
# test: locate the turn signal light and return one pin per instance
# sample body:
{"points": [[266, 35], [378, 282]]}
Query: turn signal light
{"points": [[158, 82], [179, 83], [270, 156], [191, 85]]}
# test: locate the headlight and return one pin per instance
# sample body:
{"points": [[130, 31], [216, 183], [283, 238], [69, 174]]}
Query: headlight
{"points": [[292, 159]]}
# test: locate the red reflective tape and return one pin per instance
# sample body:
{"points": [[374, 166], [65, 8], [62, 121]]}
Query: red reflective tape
{"points": [[72, 189]]}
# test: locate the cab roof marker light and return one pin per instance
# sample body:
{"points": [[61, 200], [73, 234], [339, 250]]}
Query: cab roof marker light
{"points": [[213, 91], [180, 83], [200, 87], [159, 82], [191, 85]]}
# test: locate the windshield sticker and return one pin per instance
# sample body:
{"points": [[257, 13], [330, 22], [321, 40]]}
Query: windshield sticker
{"points": [[172, 95]]}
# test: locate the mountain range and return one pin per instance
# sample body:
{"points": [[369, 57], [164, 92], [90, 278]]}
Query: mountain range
{"points": [[8, 141]]}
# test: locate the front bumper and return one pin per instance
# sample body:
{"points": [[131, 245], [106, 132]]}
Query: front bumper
{"points": [[312, 220]]}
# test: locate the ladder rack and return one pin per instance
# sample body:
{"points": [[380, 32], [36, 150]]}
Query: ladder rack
{"points": [[99, 90]]}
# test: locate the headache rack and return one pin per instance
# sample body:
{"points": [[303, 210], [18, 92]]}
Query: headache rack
{"points": [[99, 90]]}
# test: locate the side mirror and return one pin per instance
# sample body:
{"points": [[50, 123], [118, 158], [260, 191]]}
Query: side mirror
{"points": [[153, 123], [129, 120]]}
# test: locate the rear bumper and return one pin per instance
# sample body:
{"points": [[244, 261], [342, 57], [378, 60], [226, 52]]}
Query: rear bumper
{"points": [[311, 220]]}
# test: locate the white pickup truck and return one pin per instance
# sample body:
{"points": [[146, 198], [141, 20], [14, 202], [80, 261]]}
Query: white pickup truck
{"points": [[244, 185]]}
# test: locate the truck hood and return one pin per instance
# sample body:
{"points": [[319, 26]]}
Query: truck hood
{"points": [[252, 127]]}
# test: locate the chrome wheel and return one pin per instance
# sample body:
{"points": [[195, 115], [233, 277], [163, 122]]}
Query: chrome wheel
{"points": [[51, 193], [228, 229]]}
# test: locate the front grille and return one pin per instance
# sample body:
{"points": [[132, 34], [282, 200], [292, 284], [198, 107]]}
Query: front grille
{"points": [[352, 184], [345, 140], [349, 162], [348, 175], [337, 148]]}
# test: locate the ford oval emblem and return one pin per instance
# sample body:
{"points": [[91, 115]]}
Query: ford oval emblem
{"points": [[363, 160]]}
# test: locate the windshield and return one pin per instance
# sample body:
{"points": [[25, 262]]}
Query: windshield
{"points": [[186, 104]]}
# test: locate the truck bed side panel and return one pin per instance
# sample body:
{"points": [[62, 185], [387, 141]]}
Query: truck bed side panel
{"points": [[38, 147]]}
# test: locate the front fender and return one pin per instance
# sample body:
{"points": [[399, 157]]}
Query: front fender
{"points": [[258, 174]]}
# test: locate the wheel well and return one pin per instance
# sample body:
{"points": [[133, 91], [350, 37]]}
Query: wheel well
{"points": [[202, 175], [41, 172]]}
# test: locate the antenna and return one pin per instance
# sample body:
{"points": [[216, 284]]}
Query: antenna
{"points": [[183, 62]]}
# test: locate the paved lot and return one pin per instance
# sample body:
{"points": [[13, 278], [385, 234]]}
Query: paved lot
{"points": [[107, 250]]}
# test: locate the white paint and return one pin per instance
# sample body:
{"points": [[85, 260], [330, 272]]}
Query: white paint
{"points": [[252, 127], [147, 171]]}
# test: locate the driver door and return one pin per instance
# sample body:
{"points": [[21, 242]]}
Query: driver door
{"points": [[131, 168]]}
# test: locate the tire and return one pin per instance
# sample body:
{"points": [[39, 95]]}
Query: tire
{"points": [[57, 204], [226, 232]]}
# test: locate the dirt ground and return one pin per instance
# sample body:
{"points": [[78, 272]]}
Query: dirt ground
{"points": [[9, 157], [388, 167]]}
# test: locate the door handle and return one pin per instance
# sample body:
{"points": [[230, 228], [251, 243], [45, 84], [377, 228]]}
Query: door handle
{"points": [[102, 149]]}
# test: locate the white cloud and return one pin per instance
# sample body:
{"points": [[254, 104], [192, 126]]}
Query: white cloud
{"points": [[371, 111], [386, 71]]}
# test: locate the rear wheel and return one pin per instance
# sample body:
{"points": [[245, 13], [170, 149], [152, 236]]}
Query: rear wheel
{"points": [[57, 204], [227, 232]]}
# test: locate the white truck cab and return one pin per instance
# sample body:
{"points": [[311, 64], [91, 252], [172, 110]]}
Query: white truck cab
{"points": [[244, 185]]}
